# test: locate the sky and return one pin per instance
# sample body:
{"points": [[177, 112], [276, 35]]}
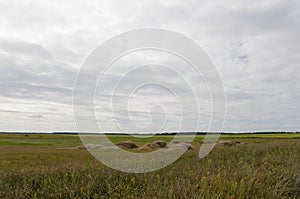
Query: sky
{"points": [[253, 44]]}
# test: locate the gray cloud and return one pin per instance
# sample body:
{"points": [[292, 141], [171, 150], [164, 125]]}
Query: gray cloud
{"points": [[253, 44]]}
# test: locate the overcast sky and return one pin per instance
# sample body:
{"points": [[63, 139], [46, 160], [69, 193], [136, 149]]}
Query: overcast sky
{"points": [[254, 45]]}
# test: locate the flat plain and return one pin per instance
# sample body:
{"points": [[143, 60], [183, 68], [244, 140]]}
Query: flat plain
{"points": [[57, 166]]}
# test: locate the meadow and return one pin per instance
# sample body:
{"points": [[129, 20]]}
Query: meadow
{"points": [[54, 166]]}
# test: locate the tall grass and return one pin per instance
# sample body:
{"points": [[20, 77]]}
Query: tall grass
{"points": [[268, 169]]}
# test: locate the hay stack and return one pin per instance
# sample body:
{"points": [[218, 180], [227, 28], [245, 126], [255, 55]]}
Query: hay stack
{"points": [[154, 145], [127, 145]]}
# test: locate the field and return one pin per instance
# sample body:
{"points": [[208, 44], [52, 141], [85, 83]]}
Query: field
{"points": [[53, 166]]}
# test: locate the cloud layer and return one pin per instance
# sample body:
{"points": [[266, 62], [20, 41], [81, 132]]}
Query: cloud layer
{"points": [[254, 45]]}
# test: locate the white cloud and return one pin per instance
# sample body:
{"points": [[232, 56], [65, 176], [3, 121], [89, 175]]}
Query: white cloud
{"points": [[253, 43]]}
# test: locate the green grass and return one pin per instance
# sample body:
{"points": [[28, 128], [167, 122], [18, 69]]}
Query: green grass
{"points": [[42, 166], [39, 140], [63, 140]]}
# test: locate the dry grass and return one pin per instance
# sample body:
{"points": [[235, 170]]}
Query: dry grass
{"points": [[261, 168]]}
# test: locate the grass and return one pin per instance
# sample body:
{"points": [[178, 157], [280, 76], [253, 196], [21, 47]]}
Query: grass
{"points": [[42, 166]]}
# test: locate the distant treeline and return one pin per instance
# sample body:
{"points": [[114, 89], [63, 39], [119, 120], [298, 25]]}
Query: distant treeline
{"points": [[164, 133]]}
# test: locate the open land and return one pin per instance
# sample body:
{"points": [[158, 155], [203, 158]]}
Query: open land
{"points": [[58, 166]]}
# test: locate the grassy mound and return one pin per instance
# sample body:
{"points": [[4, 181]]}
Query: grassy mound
{"points": [[127, 145], [154, 145]]}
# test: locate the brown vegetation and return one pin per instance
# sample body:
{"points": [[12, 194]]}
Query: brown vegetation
{"points": [[127, 145]]}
